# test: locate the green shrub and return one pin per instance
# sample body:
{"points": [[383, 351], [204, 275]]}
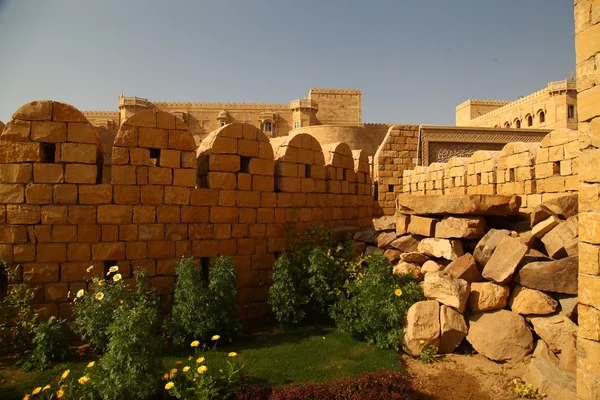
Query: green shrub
{"points": [[94, 311], [374, 306], [19, 319], [129, 367], [428, 354], [201, 308], [285, 301], [52, 345]]}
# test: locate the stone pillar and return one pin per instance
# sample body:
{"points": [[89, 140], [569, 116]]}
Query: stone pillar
{"points": [[587, 49]]}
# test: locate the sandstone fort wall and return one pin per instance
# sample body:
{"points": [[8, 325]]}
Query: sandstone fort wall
{"points": [[164, 198]]}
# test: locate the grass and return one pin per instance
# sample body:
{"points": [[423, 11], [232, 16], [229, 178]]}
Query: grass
{"points": [[317, 354]]}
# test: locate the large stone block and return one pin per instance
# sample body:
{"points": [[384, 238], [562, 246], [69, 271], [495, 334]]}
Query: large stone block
{"points": [[447, 290], [486, 246], [422, 226], [554, 330], [551, 276], [387, 222], [505, 260], [460, 228], [511, 338], [460, 205], [453, 329], [555, 240], [530, 301], [422, 327], [548, 378], [385, 239], [441, 248], [485, 296], [407, 243], [464, 267]]}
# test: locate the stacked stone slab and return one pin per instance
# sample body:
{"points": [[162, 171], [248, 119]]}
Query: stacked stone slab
{"points": [[434, 178], [481, 172], [557, 164], [516, 174], [455, 176], [500, 289], [165, 198]]}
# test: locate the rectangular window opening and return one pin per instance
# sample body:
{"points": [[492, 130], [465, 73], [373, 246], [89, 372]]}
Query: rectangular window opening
{"points": [[391, 188], [511, 174], [205, 267], [478, 176], [307, 171], [202, 174], [154, 157], [48, 152], [556, 168], [107, 265], [244, 164]]}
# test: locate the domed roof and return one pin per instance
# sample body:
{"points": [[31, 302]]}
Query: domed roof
{"points": [[223, 114]]}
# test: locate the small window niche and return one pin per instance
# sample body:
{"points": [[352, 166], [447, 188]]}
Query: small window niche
{"points": [[202, 172], [245, 164], [48, 152], [307, 171], [154, 157]]}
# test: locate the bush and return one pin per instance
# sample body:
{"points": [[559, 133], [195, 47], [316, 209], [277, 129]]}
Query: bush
{"points": [[52, 345], [367, 386], [129, 367], [375, 304], [19, 319], [202, 308]]}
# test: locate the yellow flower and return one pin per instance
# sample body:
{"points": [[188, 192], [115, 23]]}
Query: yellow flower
{"points": [[46, 388], [202, 369], [200, 360], [421, 341], [99, 296], [60, 393], [101, 282], [121, 301], [91, 364], [26, 397], [178, 362], [186, 368], [114, 268], [169, 385], [80, 293], [173, 371], [83, 380], [37, 390], [65, 374], [195, 343], [215, 337], [90, 268], [117, 277], [69, 294], [398, 292], [232, 354]]}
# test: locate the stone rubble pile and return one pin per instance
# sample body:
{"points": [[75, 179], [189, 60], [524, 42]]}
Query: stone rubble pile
{"points": [[505, 286]]}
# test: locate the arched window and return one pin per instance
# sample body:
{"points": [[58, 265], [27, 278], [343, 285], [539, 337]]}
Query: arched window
{"points": [[222, 123], [542, 117], [507, 124], [571, 111], [517, 124], [529, 120], [268, 127]]}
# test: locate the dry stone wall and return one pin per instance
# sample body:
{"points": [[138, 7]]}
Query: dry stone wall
{"points": [[166, 198], [535, 172]]}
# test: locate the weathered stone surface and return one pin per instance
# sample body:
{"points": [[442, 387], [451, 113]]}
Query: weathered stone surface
{"points": [[402, 222], [548, 378], [564, 207], [460, 228], [538, 214], [527, 239], [453, 329], [487, 296], [500, 335], [368, 235], [534, 255], [568, 355], [358, 248], [530, 301], [370, 250], [414, 257], [506, 258], [422, 226], [385, 223], [408, 268], [568, 305], [543, 351], [422, 327], [555, 330], [464, 267], [541, 228], [385, 239], [406, 243], [431, 266], [550, 276], [475, 204], [555, 240], [392, 255], [488, 243], [447, 290], [572, 247], [441, 248]]}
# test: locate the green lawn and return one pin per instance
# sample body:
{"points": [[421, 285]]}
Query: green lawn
{"points": [[317, 354]]}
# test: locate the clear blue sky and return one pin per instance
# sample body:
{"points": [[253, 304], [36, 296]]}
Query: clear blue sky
{"points": [[414, 60]]}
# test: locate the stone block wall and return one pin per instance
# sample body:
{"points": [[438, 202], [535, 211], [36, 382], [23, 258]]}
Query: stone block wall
{"points": [[535, 172], [587, 50], [397, 153], [166, 198]]}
